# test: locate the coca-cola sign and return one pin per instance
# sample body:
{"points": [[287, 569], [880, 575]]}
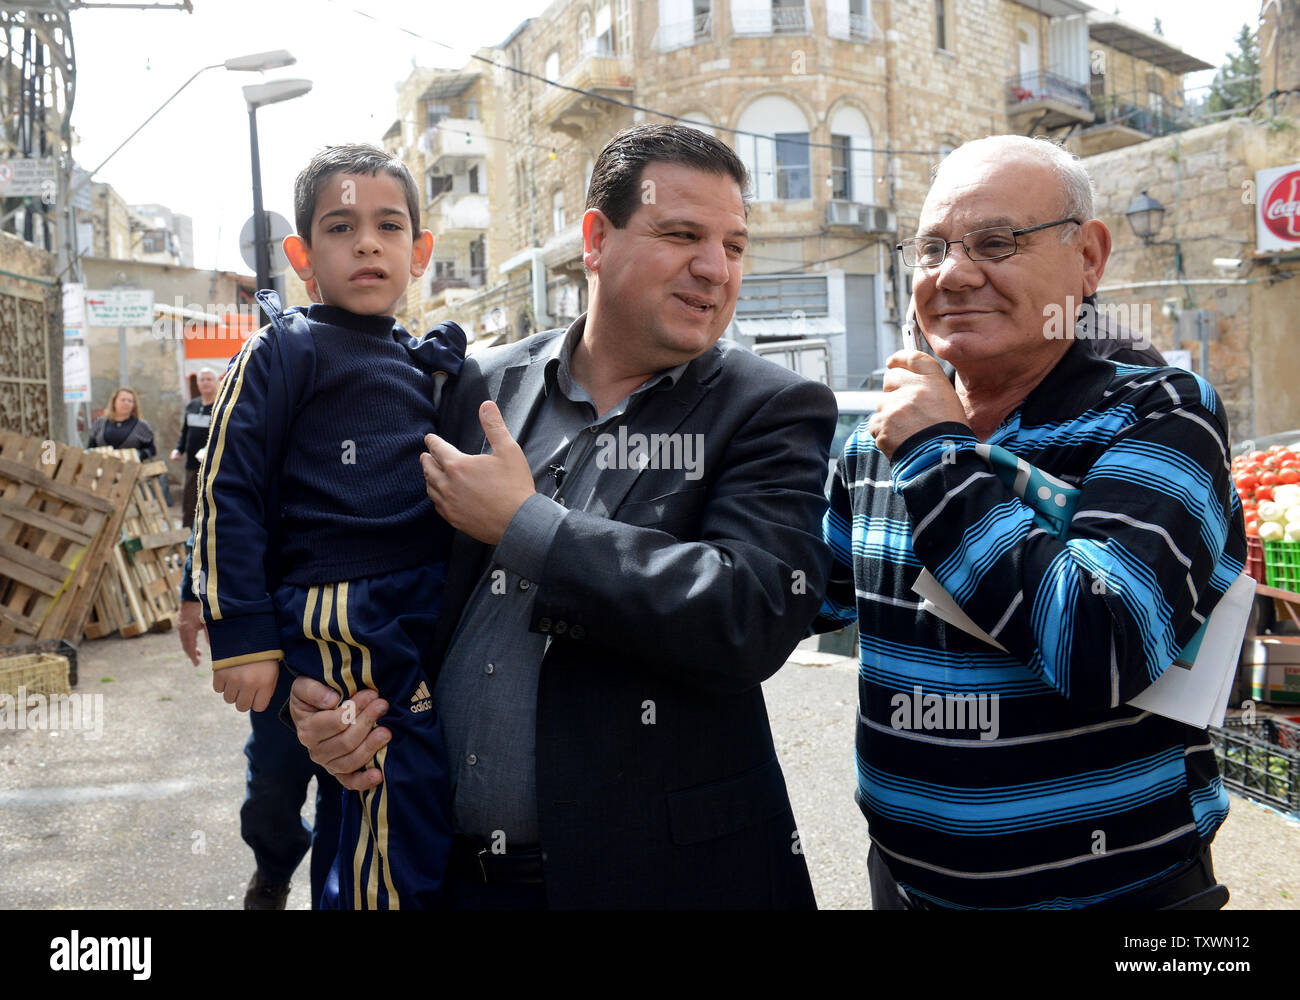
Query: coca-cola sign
{"points": [[1277, 218], [1282, 206]]}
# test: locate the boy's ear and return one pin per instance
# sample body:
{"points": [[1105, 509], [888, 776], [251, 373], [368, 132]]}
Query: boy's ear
{"points": [[299, 254], [421, 252]]}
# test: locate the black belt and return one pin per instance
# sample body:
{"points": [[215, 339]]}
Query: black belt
{"points": [[476, 862]]}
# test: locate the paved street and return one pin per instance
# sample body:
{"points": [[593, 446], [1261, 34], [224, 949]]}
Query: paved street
{"points": [[147, 814]]}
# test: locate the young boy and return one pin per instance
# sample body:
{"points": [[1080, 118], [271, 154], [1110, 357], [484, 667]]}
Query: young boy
{"points": [[314, 540]]}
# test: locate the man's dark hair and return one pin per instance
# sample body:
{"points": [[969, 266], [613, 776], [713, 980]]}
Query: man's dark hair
{"points": [[616, 178], [352, 158]]}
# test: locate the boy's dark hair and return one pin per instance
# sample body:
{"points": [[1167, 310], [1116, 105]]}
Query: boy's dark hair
{"points": [[616, 177], [352, 158]]}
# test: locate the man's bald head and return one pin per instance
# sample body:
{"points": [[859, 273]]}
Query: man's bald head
{"points": [[1009, 150]]}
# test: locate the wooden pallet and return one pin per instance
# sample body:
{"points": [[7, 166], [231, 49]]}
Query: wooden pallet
{"points": [[140, 588], [61, 511], [109, 611]]}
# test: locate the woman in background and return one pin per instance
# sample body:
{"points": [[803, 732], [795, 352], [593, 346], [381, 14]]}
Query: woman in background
{"points": [[121, 426]]}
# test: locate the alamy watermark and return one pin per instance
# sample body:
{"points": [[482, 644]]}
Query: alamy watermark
{"points": [[83, 713], [207, 321], [1086, 321], [947, 712], [651, 451]]}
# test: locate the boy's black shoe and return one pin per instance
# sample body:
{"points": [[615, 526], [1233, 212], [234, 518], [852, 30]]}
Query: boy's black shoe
{"points": [[264, 895]]}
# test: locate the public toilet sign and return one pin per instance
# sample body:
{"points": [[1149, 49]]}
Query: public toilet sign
{"points": [[1277, 209], [119, 307]]}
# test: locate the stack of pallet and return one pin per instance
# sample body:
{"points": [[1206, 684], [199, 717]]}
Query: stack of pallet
{"points": [[140, 589], [61, 514]]}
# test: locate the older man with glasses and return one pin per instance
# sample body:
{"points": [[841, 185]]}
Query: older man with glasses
{"points": [[1015, 775]]}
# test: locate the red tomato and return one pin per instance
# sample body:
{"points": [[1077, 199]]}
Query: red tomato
{"points": [[1258, 456], [1289, 474], [1247, 482], [1264, 493], [1252, 529], [1268, 479], [1290, 458]]}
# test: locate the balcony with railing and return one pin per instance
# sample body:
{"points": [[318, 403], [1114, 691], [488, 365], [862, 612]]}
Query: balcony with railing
{"points": [[1048, 99], [473, 277], [452, 213], [774, 20], [574, 113], [683, 33], [852, 27], [1126, 119], [454, 138]]}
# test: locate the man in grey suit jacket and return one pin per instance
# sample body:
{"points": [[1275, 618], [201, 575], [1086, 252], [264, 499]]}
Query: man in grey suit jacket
{"points": [[639, 547]]}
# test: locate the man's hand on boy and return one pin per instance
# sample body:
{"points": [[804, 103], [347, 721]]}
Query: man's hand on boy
{"points": [[478, 494], [343, 740], [247, 685]]}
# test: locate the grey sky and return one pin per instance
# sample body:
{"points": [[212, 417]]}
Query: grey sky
{"points": [[194, 156]]}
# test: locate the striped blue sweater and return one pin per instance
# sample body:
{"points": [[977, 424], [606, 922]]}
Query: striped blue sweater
{"points": [[1021, 779]]}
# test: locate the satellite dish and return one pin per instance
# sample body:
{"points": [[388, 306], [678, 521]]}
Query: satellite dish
{"points": [[279, 228]]}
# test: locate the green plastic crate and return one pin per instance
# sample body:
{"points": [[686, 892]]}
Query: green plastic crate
{"points": [[1282, 565]]}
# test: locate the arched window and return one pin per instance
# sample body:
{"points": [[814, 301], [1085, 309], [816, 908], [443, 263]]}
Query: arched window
{"points": [[780, 165], [552, 70], [851, 172], [584, 31]]}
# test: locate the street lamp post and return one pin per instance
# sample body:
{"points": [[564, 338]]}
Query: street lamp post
{"points": [[256, 96]]}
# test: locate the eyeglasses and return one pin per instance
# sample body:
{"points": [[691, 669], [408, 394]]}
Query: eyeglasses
{"points": [[983, 244]]}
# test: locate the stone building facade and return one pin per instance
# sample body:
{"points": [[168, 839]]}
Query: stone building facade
{"points": [[1205, 179], [861, 97], [110, 222]]}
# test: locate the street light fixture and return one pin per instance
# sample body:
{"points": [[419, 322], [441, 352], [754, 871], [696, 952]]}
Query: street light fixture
{"points": [[257, 95], [255, 63], [1145, 215]]}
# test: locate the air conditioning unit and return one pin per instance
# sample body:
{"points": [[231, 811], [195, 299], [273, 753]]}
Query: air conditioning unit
{"points": [[879, 220], [868, 218], [842, 213]]}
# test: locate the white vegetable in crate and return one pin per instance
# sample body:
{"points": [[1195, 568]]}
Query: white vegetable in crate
{"points": [[1293, 532], [1292, 514], [1287, 495], [1270, 510], [1271, 531]]}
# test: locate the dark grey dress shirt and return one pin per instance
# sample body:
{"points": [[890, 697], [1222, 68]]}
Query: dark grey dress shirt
{"points": [[487, 688]]}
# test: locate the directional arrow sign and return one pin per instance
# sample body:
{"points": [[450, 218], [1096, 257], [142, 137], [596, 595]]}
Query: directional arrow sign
{"points": [[119, 307]]}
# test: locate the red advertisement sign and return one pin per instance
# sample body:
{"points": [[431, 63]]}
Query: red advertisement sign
{"points": [[1280, 207]]}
